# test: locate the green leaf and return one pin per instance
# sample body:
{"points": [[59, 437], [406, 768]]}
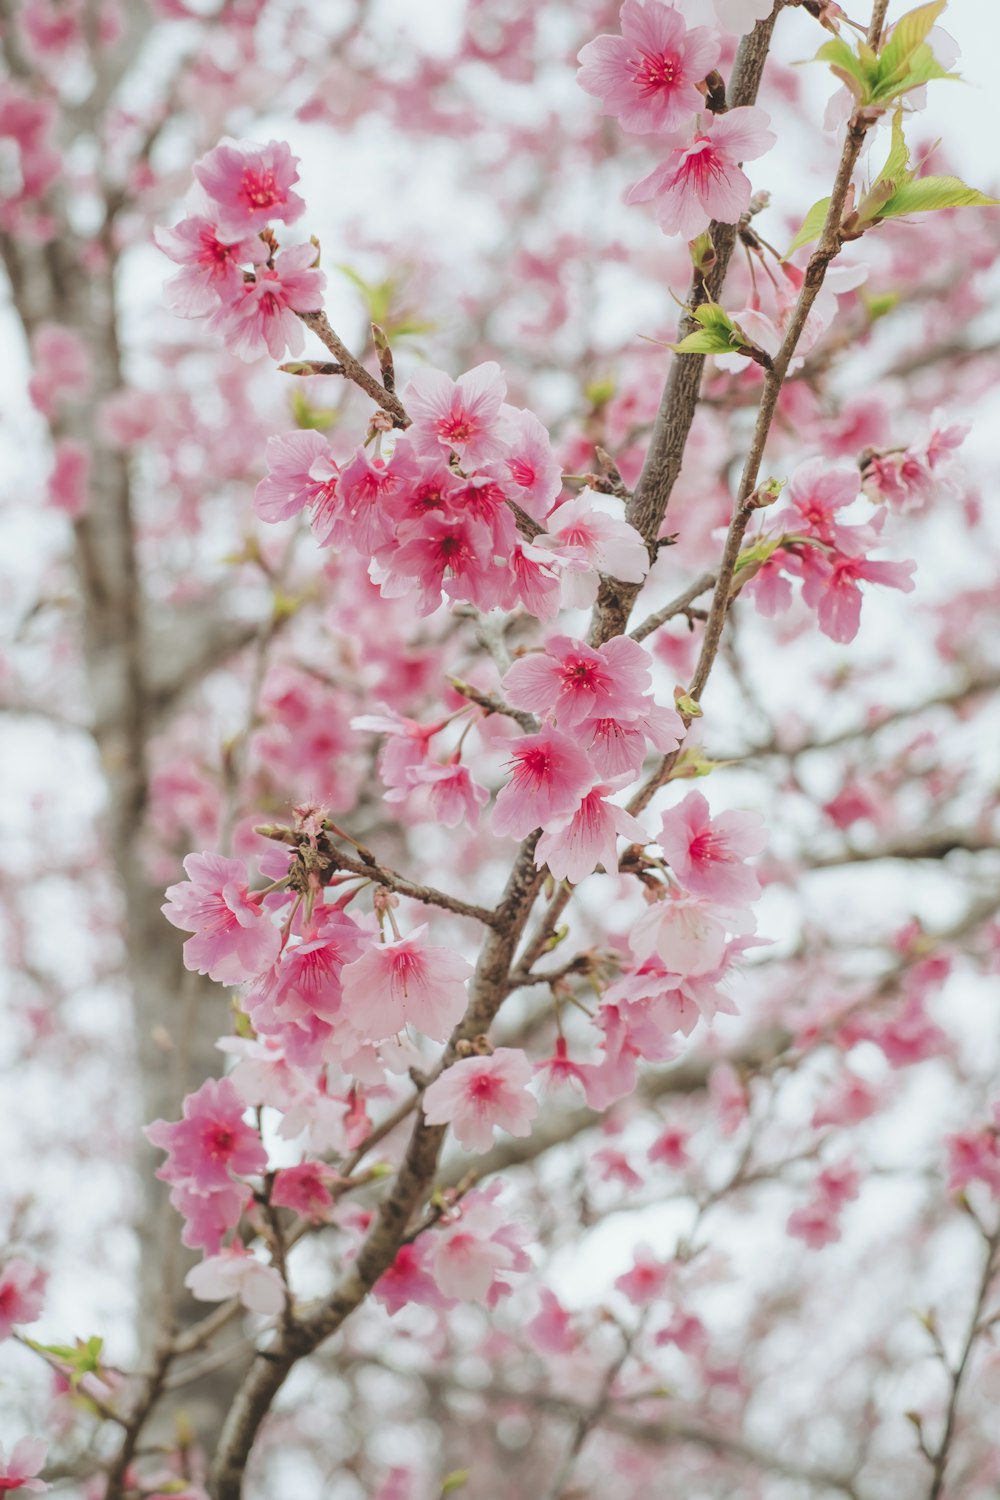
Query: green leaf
{"points": [[881, 305], [756, 555], [859, 73], [909, 33], [82, 1358], [811, 227], [455, 1480], [718, 333], [309, 417], [924, 194]]}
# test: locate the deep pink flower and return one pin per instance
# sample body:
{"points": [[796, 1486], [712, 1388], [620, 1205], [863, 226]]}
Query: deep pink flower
{"points": [[292, 480], [454, 554], [211, 1142], [234, 939], [250, 186], [974, 1156], [211, 268], [408, 982], [646, 1281], [831, 586], [19, 1471], [22, 1292], [408, 1280], [703, 181], [550, 778], [298, 999], [462, 415], [477, 1093], [367, 498], [574, 845], [573, 681], [529, 474], [306, 1189], [707, 854], [261, 318], [670, 1148], [648, 75]]}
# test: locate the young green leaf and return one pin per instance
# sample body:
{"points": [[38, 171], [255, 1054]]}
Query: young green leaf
{"points": [[811, 227], [923, 194]]}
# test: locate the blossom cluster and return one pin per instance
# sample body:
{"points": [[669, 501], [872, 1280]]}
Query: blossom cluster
{"points": [[653, 78]]}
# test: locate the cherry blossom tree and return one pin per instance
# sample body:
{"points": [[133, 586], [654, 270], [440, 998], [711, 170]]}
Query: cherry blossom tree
{"points": [[462, 436]]}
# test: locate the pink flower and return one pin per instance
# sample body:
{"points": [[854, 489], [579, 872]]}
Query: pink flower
{"points": [[237, 1273], [367, 496], [18, 1472], [22, 1292], [703, 181], [262, 315], [234, 939], [551, 776], [602, 543], [728, 1098], [477, 1093], [551, 1329], [574, 845], [817, 1224], [647, 76], [306, 1189], [670, 1148], [831, 586], [645, 1282], [68, 486], [408, 1280], [462, 415], [293, 480], [405, 983], [688, 933], [529, 474], [817, 491], [208, 1216], [298, 999], [60, 367], [974, 1155], [706, 854], [211, 1142], [453, 795], [472, 1250], [454, 554], [211, 268], [250, 186], [613, 1078], [573, 682]]}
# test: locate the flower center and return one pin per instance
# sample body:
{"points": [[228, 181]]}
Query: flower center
{"points": [[456, 428], [260, 189], [656, 75]]}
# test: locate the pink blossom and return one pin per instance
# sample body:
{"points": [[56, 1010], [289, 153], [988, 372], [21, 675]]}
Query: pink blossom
{"points": [[703, 181], [211, 268], [407, 745], [408, 982], [618, 748], [477, 1093], [559, 1069], [550, 778], [728, 1098], [19, 1471], [817, 1224], [298, 999], [22, 1293], [208, 1216], [529, 473], [670, 1148], [603, 543], [261, 317], [551, 1329], [306, 1189], [646, 1281], [462, 415], [409, 1279], [613, 1078], [648, 75], [706, 854], [234, 939], [673, 1002], [574, 845], [250, 186], [817, 491], [851, 1101], [472, 1250], [454, 797], [614, 1166], [974, 1156], [831, 586], [451, 554], [574, 682], [61, 367], [368, 495], [294, 478], [237, 1273], [211, 1141], [687, 932], [68, 486]]}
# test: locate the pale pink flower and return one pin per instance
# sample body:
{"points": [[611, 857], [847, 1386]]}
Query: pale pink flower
{"points": [[703, 181], [20, 1470], [688, 933], [68, 485], [831, 586], [300, 997], [211, 1142], [728, 1097], [22, 1292], [648, 75], [208, 1216], [237, 1273], [647, 1279], [261, 317], [613, 1078], [234, 939], [604, 544], [974, 1156], [534, 581], [817, 490], [574, 845], [550, 778], [462, 415], [529, 473], [617, 748], [408, 982], [471, 1251], [817, 1224], [60, 367], [551, 1329], [211, 268], [250, 186], [478, 1093], [407, 745], [559, 1069], [707, 854], [852, 1100], [453, 795], [573, 681], [290, 483], [673, 1002], [614, 1166]]}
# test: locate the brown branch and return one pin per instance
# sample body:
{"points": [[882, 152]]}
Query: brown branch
{"points": [[679, 606], [354, 370]]}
